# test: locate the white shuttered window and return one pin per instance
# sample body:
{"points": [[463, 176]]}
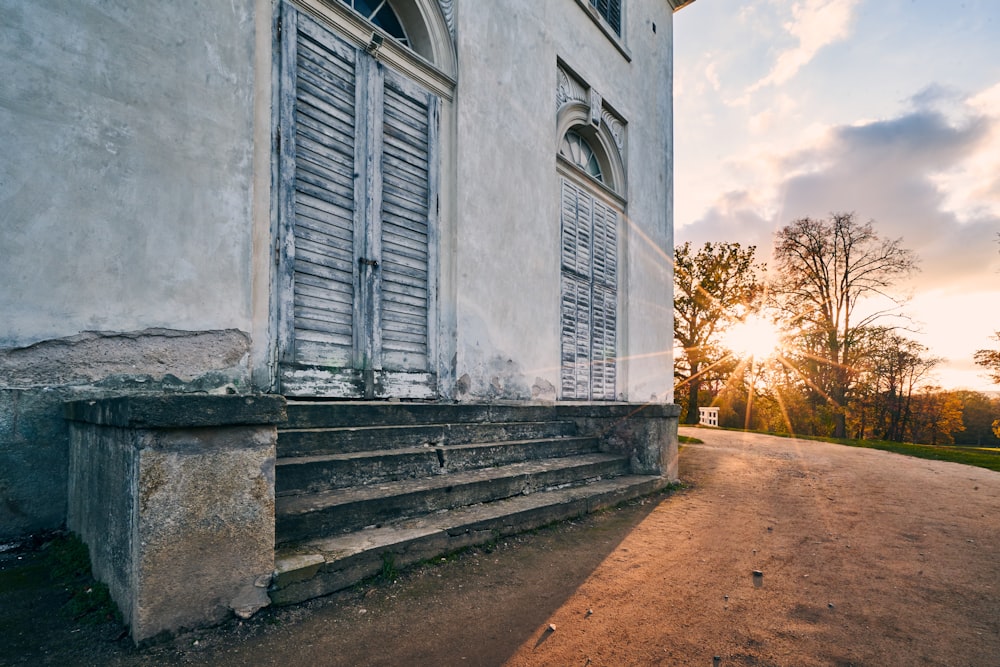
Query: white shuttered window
{"points": [[589, 303]]}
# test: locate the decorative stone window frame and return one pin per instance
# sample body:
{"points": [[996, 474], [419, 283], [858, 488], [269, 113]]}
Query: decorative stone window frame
{"points": [[598, 307], [431, 59], [616, 39], [579, 107]]}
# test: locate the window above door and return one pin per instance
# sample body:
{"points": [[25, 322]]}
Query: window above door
{"points": [[381, 14], [414, 37]]}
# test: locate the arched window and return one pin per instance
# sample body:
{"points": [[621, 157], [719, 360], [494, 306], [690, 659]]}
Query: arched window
{"points": [[421, 27], [590, 160], [381, 14], [576, 149]]}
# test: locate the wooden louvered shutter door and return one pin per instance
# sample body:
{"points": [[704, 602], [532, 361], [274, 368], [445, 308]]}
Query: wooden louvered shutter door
{"points": [[575, 316], [589, 296], [324, 198], [605, 302], [357, 206], [317, 198], [408, 197]]}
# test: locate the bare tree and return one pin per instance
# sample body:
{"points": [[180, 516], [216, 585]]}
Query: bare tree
{"points": [[824, 269], [713, 288], [893, 367]]}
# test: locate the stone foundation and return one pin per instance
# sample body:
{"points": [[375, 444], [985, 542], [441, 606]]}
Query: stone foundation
{"points": [[174, 495], [646, 433]]}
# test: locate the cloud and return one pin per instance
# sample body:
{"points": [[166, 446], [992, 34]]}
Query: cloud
{"points": [[712, 76], [927, 176], [972, 184], [814, 24], [886, 170], [775, 114]]}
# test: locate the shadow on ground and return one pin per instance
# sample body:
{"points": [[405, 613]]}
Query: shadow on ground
{"points": [[474, 608]]}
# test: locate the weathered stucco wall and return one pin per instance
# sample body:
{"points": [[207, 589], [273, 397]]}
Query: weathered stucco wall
{"points": [[135, 197], [125, 179], [36, 380], [125, 206], [507, 231]]}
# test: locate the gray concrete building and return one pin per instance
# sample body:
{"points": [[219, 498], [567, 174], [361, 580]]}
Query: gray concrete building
{"points": [[398, 203]]}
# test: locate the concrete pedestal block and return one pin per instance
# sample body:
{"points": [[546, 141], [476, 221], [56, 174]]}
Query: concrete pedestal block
{"points": [[646, 433], [174, 496]]}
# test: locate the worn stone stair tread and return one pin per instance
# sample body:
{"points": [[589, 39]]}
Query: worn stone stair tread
{"points": [[359, 413], [404, 451], [323, 565], [341, 439], [457, 519], [405, 427], [310, 502]]}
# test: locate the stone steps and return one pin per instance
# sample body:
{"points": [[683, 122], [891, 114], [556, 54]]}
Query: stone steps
{"points": [[314, 441], [363, 485], [310, 474], [306, 516], [321, 566], [341, 414]]}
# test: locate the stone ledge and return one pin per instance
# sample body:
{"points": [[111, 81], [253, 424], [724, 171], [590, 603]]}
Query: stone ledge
{"points": [[618, 410], [179, 411]]}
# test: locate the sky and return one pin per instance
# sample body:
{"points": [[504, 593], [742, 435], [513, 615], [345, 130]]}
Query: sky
{"points": [[886, 108]]}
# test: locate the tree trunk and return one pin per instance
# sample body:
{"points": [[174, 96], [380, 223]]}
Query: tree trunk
{"points": [[840, 409], [694, 386]]}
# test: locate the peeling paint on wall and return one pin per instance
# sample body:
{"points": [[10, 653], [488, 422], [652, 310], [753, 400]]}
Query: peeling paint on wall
{"points": [[37, 379], [150, 355], [493, 378]]}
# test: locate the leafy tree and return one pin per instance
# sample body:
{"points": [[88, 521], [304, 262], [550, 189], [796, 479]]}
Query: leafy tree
{"points": [[937, 417], [825, 268], [714, 287], [978, 413], [990, 360]]}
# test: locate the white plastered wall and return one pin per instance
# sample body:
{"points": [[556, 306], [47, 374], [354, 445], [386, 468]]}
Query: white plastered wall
{"points": [[506, 227]]}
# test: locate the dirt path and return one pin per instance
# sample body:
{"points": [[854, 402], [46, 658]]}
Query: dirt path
{"points": [[867, 558]]}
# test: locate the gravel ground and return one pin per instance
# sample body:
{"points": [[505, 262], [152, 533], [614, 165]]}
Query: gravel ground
{"points": [[864, 558]]}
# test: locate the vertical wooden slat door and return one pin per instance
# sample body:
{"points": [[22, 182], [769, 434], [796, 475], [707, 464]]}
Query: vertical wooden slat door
{"points": [[356, 161], [588, 310], [575, 218], [605, 303], [408, 197]]}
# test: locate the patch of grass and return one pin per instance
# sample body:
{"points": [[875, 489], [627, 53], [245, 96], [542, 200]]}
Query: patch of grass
{"points": [[688, 440], [67, 557], [964, 455], [92, 604], [68, 561], [979, 457], [389, 572]]}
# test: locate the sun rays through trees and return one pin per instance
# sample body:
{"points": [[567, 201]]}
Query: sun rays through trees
{"points": [[715, 287], [815, 346]]}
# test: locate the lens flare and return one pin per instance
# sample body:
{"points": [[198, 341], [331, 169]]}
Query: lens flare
{"points": [[754, 337]]}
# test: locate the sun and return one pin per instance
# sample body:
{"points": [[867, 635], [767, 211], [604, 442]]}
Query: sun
{"points": [[754, 337]]}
